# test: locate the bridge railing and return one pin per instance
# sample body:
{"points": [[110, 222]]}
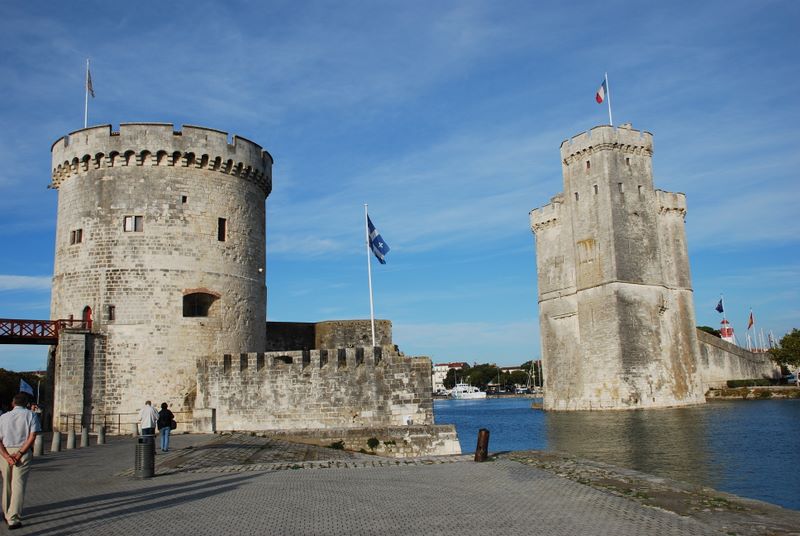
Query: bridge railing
{"points": [[39, 329]]}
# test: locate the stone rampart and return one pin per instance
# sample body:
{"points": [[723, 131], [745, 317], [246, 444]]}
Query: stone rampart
{"points": [[623, 138], [720, 361], [158, 144], [394, 441], [326, 334], [316, 389]]}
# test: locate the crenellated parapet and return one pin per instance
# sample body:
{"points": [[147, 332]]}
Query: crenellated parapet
{"points": [[671, 203], [623, 139], [548, 216], [158, 144]]}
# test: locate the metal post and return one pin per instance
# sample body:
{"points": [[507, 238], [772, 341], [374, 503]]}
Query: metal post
{"points": [[84, 437], [55, 446], [38, 446], [71, 439], [101, 435], [482, 451]]}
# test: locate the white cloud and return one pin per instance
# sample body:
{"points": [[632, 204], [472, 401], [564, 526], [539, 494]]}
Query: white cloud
{"points": [[25, 282]]}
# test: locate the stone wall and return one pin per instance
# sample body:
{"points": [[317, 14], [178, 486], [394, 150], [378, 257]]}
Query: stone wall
{"points": [[315, 389], [394, 441], [193, 201], [720, 361], [327, 334], [615, 298]]}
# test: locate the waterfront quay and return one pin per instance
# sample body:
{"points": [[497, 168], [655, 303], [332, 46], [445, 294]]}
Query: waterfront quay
{"points": [[246, 484]]}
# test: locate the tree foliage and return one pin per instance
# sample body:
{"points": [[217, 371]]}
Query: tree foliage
{"points": [[9, 386], [709, 329], [788, 352]]}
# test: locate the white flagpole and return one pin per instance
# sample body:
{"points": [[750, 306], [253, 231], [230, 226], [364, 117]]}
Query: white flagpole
{"points": [[369, 275], [608, 88], [86, 96]]}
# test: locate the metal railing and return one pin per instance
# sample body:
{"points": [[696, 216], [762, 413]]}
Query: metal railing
{"points": [[19, 331], [112, 423]]}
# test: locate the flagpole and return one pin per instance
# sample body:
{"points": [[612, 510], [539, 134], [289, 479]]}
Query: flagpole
{"points": [[608, 88], [369, 275], [86, 96]]}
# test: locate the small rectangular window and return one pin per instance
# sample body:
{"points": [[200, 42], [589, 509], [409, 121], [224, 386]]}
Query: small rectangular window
{"points": [[76, 236], [133, 224], [576, 196], [627, 161], [112, 313], [588, 165], [184, 199], [640, 189], [621, 188], [221, 225], [595, 189]]}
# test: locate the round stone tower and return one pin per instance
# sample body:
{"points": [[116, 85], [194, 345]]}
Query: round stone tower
{"points": [[160, 249]]}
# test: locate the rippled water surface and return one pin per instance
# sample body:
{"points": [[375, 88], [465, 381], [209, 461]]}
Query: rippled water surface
{"points": [[750, 448]]}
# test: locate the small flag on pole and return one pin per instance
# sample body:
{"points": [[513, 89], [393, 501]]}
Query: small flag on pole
{"points": [[376, 243], [600, 96], [719, 307], [89, 86], [24, 387], [750, 321]]}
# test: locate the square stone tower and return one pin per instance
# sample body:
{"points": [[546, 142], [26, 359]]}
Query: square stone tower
{"points": [[615, 298]]}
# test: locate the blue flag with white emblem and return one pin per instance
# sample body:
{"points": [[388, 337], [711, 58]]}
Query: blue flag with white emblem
{"points": [[376, 243]]}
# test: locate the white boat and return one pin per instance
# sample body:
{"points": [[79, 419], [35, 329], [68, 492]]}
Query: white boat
{"points": [[465, 391]]}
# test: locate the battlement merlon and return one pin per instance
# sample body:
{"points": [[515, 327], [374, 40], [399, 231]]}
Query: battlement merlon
{"points": [[674, 202], [547, 216], [98, 143], [623, 138]]}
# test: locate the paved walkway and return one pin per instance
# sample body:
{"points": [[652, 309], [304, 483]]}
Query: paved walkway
{"points": [[240, 484]]}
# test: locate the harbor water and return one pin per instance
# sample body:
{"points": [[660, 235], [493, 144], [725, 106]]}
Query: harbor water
{"points": [[748, 448]]}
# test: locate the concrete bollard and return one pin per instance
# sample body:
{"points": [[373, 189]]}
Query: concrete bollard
{"points": [[135, 430], [482, 451], [84, 437], [55, 446], [101, 435], [71, 440], [38, 446]]}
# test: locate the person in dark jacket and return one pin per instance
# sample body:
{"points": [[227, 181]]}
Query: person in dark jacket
{"points": [[165, 418]]}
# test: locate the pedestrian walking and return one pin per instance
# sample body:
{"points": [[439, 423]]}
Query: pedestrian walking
{"points": [[148, 418], [165, 420], [18, 429]]}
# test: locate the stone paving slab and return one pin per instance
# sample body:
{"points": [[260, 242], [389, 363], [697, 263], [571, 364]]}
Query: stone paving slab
{"points": [[81, 492]]}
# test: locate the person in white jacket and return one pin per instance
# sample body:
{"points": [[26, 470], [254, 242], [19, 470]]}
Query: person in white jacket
{"points": [[148, 418]]}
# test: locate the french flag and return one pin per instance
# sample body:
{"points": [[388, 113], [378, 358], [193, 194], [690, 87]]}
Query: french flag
{"points": [[600, 96]]}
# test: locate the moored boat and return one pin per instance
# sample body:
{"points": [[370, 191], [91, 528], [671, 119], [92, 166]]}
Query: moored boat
{"points": [[465, 391]]}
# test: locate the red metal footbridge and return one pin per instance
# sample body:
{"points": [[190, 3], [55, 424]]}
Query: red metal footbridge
{"points": [[16, 331]]}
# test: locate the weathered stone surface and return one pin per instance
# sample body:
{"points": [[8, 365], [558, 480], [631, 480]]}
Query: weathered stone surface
{"points": [[327, 334], [316, 389], [615, 294], [133, 282]]}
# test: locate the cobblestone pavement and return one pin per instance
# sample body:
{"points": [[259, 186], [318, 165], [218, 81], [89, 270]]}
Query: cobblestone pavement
{"points": [[239, 484]]}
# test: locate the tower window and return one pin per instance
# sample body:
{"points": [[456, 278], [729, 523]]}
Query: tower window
{"points": [[588, 165], [198, 304], [595, 189], [111, 312], [640, 189], [627, 161], [221, 228], [184, 199], [576, 196], [76, 236], [621, 187], [133, 224]]}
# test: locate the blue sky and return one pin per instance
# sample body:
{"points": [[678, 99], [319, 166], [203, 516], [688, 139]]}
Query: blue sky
{"points": [[446, 117]]}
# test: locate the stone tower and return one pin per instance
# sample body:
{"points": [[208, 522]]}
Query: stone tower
{"points": [[160, 243], [615, 299]]}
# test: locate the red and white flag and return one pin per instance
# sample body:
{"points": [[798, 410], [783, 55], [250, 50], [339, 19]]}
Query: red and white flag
{"points": [[600, 96]]}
